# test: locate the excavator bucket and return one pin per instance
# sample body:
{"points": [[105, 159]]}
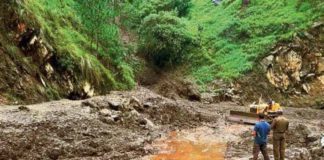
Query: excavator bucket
{"points": [[243, 117]]}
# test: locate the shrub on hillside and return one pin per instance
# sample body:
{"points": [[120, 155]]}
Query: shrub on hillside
{"points": [[165, 39], [181, 7]]}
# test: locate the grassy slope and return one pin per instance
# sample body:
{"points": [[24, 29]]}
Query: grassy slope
{"points": [[234, 37], [61, 25]]}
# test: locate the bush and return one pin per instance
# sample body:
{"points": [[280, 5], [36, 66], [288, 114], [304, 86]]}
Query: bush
{"points": [[181, 7], [165, 39]]}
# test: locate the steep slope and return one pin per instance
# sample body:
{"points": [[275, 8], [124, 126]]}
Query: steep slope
{"points": [[235, 36], [48, 55], [266, 49], [292, 73]]}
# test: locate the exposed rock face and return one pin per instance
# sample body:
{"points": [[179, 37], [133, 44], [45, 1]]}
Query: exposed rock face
{"points": [[289, 67]]}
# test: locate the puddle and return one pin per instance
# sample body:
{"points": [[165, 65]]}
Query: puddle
{"points": [[199, 144]]}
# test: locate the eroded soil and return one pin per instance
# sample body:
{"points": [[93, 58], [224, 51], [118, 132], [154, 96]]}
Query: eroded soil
{"points": [[140, 124]]}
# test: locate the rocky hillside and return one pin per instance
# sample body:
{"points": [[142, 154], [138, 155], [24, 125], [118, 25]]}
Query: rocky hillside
{"points": [[292, 72], [48, 54], [233, 51]]}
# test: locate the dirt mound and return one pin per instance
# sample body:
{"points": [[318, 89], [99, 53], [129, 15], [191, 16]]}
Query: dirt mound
{"points": [[169, 84]]}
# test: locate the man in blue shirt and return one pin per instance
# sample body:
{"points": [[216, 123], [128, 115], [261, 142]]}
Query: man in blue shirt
{"points": [[260, 133]]}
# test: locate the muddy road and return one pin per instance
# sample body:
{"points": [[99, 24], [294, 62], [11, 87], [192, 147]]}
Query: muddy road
{"points": [[142, 125]]}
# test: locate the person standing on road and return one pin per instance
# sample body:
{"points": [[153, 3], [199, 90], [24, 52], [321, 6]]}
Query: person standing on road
{"points": [[260, 133], [279, 126]]}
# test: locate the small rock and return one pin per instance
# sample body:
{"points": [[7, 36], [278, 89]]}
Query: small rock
{"points": [[135, 113], [105, 112], [90, 104], [310, 75], [148, 105], [309, 36], [116, 118], [134, 100], [318, 54], [313, 137], [142, 121], [306, 88], [317, 24], [53, 154], [107, 120], [23, 108], [267, 61], [49, 70], [115, 105], [149, 123]]}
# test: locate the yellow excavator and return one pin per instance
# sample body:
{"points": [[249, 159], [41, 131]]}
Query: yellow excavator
{"points": [[270, 110]]}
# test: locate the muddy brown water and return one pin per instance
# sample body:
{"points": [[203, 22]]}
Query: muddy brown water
{"points": [[178, 148], [202, 143]]}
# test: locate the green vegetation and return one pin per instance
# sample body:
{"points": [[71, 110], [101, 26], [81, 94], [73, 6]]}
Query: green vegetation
{"points": [[235, 37], [86, 41], [223, 41], [165, 39]]}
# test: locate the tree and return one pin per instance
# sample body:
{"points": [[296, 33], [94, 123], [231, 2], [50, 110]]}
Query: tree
{"points": [[165, 39], [97, 16]]}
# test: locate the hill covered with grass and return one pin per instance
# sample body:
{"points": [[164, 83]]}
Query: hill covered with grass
{"points": [[107, 43], [76, 43], [234, 37]]}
